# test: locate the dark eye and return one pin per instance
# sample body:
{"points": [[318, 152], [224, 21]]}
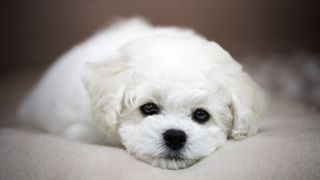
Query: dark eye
{"points": [[200, 116], [149, 109]]}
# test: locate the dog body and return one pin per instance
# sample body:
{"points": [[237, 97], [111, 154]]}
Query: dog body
{"points": [[167, 94], [60, 104]]}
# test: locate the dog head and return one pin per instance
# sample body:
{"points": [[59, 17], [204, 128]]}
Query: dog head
{"points": [[172, 99]]}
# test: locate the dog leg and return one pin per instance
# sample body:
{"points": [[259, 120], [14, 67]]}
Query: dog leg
{"points": [[84, 133]]}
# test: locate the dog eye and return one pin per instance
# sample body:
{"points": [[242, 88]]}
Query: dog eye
{"points": [[149, 109], [200, 116]]}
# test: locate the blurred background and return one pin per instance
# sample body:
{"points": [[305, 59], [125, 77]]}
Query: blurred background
{"points": [[38, 31], [276, 40]]}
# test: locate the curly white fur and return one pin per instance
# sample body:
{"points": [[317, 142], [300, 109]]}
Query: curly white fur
{"points": [[93, 93]]}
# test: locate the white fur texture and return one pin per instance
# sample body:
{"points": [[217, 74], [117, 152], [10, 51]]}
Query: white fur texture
{"points": [[93, 93]]}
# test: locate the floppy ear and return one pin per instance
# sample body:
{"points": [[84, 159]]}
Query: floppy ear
{"points": [[248, 102], [105, 84]]}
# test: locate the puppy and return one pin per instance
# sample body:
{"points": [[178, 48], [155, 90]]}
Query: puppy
{"points": [[168, 95]]}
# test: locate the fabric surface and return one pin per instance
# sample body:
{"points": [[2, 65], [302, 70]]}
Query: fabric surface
{"points": [[286, 147]]}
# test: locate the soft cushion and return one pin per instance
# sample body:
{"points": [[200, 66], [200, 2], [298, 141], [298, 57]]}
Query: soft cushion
{"points": [[286, 147]]}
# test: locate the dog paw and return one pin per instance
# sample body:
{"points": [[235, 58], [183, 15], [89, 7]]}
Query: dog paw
{"points": [[239, 134]]}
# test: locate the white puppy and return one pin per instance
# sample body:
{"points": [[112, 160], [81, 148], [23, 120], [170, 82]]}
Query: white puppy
{"points": [[168, 95]]}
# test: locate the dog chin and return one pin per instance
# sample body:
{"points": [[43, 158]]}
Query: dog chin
{"points": [[169, 162]]}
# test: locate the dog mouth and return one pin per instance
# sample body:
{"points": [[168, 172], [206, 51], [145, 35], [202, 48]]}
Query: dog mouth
{"points": [[174, 156], [169, 159], [172, 160]]}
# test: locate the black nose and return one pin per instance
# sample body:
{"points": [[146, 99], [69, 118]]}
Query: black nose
{"points": [[175, 138]]}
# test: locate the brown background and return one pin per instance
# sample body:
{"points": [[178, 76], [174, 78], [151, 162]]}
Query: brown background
{"points": [[35, 32]]}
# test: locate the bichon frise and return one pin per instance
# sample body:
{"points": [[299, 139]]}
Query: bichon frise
{"points": [[167, 94]]}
